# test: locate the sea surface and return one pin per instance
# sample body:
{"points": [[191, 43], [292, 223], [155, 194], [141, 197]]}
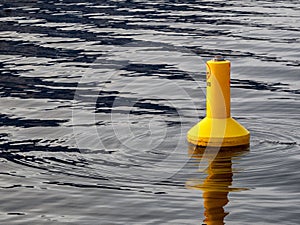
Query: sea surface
{"points": [[96, 98]]}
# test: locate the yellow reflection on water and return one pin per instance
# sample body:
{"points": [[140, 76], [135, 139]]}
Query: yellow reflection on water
{"points": [[217, 164]]}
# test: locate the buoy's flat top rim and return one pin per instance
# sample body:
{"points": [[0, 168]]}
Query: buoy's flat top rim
{"points": [[218, 62]]}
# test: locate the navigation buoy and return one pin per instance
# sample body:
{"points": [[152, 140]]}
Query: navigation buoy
{"points": [[218, 128]]}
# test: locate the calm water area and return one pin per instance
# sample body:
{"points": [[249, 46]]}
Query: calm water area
{"points": [[96, 98]]}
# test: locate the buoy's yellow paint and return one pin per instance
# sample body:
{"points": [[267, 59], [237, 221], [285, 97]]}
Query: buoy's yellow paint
{"points": [[218, 129]]}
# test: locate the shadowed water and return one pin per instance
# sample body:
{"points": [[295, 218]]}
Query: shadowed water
{"points": [[96, 98]]}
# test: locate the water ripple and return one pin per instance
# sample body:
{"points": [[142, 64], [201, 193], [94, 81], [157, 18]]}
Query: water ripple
{"points": [[97, 97]]}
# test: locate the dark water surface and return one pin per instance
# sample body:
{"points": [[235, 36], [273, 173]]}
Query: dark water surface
{"points": [[97, 97]]}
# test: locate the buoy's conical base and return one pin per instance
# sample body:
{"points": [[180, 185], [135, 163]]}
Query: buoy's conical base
{"points": [[218, 133]]}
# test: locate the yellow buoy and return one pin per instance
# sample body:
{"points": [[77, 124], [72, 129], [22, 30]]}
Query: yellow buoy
{"points": [[218, 129]]}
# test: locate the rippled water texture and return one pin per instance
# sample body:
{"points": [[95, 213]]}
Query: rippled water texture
{"points": [[97, 97]]}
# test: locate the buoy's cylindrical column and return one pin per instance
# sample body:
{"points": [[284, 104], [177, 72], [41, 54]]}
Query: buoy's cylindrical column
{"points": [[218, 88]]}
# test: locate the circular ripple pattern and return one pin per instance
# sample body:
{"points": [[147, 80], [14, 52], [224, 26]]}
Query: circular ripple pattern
{"points": [[135, 115]]}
